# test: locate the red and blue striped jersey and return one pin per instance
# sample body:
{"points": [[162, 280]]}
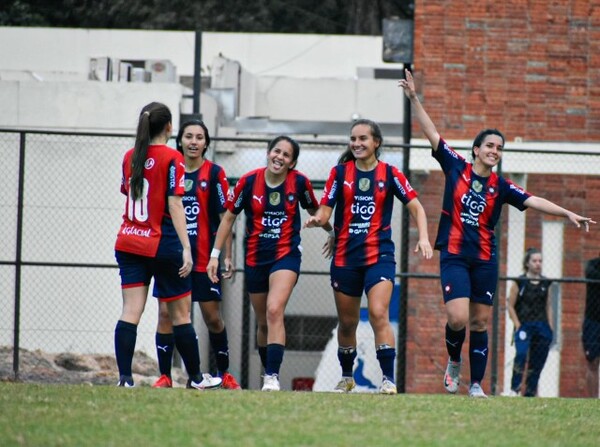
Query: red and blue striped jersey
{"points": [[206, 192], [272, 214], [363, 203], [472, 206], [147, 228]]}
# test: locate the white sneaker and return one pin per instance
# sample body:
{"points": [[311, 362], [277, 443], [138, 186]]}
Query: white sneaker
{"points": [[270, 382], [452, 376], [476, 391], [345, 385], [126, 382], [511, 393], [387, 387], [208, 383]]}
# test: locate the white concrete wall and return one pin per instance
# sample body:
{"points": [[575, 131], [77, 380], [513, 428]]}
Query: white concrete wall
{"points": [[44, 72], [286, 98], [82, 105], [294, 55]]}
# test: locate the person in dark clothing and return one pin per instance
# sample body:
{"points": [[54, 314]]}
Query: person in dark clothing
{"points": [[531, 312]]}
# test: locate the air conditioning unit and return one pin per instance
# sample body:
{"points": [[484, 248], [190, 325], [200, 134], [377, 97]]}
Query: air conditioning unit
{"points": [[139, 75], [125, 69], [100, 69], [161, 70]]}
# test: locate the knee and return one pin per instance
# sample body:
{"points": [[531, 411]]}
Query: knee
{"points": [[379, 319], [164, 325], [478, 324], [213, 322], [457, 322], [347, 324], [179, 313], [163, 315], [274, 314]]}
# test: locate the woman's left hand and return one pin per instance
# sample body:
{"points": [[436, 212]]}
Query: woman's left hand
{"points": [[328, 247], [425, 247]]}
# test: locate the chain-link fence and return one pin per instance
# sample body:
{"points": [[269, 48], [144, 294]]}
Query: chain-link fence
{"points": [[61, 208]]}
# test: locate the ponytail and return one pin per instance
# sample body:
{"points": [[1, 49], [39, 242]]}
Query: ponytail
{"points": [[153, 119]]}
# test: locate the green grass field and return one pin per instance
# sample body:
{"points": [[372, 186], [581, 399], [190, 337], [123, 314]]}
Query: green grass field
{"points": [[83, 415]]}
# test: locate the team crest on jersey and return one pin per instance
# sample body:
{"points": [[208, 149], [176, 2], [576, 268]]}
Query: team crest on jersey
{"points": [[274, 198], [477, 186], [290, 197], [364, 184], [492, 190], [189, 184], [380, 185], [149, 164], [203, 185]]}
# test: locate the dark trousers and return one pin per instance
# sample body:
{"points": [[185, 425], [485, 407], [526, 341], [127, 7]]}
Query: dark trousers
{"points": [[533, 340]]}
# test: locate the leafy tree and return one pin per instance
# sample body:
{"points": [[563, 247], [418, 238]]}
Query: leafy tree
{"points": [[278, 16]]}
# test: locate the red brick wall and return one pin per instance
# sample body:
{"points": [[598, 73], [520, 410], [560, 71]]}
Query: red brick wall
{"points": [[426, 352], [532, 70], [529, 68]]}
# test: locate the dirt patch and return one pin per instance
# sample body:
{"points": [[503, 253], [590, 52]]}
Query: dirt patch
{"points": [[71, 368]]}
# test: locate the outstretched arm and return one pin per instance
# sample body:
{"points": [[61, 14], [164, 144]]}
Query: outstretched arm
{"points": [[548, 207], [408, 84]]}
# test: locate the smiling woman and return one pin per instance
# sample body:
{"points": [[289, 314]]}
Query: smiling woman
{"points": [[472, 203], [204, 199], [362, 188], [271, 198]]}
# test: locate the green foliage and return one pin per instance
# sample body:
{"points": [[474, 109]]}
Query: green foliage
{"points": [[102, 415], [286, 16]]}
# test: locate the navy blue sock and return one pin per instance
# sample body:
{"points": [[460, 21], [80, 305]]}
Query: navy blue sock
{"points": [[386, 358], [478, 355], [274, 358], [346, 356], [220, 347], [125, 338], [164, 352], [186, 341], [454, 342], [262, 352]]}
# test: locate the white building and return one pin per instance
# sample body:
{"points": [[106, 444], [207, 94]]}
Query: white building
{"points": [[314, 84]]}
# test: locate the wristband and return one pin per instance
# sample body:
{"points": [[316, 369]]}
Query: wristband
{"points": [[215, 253], [331, 233]]}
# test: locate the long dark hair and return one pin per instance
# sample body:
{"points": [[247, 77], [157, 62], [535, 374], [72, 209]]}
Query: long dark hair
{"points": [[153, 119], [530, 252], [347, 155], [481, 136], [293, 143], [182, 130]]}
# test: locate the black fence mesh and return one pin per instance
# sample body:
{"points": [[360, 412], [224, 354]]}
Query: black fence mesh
{"points": [[61, 208]]}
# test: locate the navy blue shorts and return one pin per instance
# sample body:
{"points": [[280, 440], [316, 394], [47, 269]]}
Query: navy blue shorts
{"points": [[353, 280], [590, 337], [137, 271], [203, 289], [464, 277], [257, 278]]}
